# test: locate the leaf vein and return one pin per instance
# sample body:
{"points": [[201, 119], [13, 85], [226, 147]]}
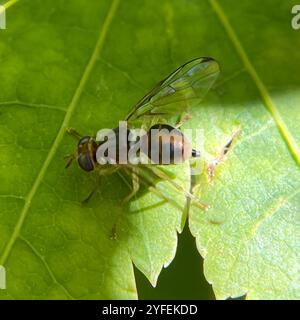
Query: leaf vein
{"points": [[76, 97], [266, 98], [31, 105], [46, 265], [280, 203]]}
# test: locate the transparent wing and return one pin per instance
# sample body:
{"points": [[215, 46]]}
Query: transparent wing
{"points": [[173, 94]]}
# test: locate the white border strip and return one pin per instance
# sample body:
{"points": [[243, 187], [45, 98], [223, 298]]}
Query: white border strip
{"points": [[2, 17], [2, 277]]}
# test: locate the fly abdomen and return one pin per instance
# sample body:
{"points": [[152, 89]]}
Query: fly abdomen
{"points": [[165, 145]]}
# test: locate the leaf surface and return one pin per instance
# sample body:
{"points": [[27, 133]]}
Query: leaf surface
{"points": [[84, 65], [255, 195]]}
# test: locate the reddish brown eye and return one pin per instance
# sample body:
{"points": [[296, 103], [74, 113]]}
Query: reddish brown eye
{"points": [[85, 162], [162, 144]]}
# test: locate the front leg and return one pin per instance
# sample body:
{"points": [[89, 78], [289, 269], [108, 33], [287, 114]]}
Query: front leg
{"points": [[85, 201], [73, 132]]}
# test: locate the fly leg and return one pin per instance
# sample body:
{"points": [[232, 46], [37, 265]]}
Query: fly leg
{"points": [[183, 118], [148, 183], [74, 133], [135, 186], [70, 157], [137, 179], [88, 198], [102, 172], [221, 157], [146, 180], [90, 195], [162, 175]]}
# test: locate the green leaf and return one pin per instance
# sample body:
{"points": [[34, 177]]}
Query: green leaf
{"points": [[255, 194], [84, 64], [60, 72]]}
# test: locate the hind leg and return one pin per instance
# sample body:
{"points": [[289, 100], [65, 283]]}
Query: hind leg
{"points": [[164, 176]]}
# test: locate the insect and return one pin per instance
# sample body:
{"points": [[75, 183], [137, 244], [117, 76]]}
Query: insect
{"points": [[164, 109]]}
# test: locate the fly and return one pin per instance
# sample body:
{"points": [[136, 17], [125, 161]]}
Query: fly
{"points": [[163, 110]]}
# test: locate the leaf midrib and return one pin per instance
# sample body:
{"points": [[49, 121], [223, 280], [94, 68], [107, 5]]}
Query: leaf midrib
{"points": [[76, 97], [268, 103]]}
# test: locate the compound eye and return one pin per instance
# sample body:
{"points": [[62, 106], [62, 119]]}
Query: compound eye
{"points": [[83, 141], [85, 162]]}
